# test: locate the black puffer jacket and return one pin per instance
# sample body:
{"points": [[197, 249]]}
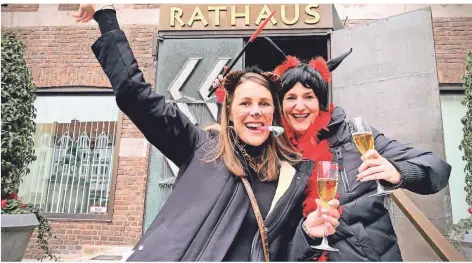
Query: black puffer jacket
{"points": [[203, 215], [366, 232]]}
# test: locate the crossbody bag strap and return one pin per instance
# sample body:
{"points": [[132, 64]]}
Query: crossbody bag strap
{"points": [[260, 221]]}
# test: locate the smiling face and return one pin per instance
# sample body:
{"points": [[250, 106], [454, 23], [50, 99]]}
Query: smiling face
{"points": [[300, 107], [252, 107], [251, 101]]}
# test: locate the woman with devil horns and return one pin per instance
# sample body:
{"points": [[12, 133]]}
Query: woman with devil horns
{"points": [[239, 192], [321, 133]]}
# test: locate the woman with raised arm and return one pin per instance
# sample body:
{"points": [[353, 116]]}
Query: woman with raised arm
{"points": [[238, 194]]}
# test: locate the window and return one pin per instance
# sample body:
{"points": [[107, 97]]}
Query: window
{"points": [[452, 113], [75, 147]]}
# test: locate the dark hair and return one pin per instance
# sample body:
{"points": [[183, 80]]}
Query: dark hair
{"points": [[309, 78]]}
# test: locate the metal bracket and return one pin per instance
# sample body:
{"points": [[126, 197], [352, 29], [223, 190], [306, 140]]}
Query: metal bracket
{"points": [[155, 45]]}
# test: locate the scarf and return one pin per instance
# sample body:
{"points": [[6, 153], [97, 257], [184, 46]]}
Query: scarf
{"points": [[316, 150]]}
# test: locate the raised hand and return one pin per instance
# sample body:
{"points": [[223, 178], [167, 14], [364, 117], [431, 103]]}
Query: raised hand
{"points": [[219, 80], [85, 13]]}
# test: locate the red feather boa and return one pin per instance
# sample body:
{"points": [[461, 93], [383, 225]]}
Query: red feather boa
{"points": [[314, 150]]}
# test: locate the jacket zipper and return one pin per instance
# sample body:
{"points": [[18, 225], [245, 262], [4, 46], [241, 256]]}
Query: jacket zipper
{"points": [[342, 171], [255, 242]]}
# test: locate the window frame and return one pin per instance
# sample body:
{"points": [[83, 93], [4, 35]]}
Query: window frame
{"points": [[450, 89], [77, 217]]}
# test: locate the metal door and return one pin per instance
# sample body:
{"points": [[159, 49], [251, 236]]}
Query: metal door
{"points": [[391, 78], [185, 70]]}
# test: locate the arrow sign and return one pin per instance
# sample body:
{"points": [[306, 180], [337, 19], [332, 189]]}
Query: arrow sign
{"points": [[203, 90], [178, 83], [177, 96], [174, 91]]}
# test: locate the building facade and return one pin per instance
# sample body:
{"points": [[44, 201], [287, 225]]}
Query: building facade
{"points": [[98, 179]]}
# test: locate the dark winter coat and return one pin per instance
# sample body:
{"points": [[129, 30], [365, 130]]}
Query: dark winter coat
{"points": [[208, 204], [366, 232]]}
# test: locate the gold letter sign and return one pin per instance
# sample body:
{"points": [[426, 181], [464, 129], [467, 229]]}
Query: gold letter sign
{"points": [[264, 14], [197, 15], [217, 10], [216, 17], [234, 15], [283, 15], [312, 13], [176, 14]]}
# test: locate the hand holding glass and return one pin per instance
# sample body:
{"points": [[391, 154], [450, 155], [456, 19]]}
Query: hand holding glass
{"points": [[327, 178], [364, 140]]}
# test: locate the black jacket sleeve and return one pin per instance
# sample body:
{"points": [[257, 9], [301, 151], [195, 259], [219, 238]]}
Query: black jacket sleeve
{"points": [[421, 171], [300, 248], [163, 125], [106, 19]]}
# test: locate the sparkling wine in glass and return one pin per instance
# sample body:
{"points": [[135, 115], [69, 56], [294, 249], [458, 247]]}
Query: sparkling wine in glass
{"points": [[327, 179], [364, 140]]}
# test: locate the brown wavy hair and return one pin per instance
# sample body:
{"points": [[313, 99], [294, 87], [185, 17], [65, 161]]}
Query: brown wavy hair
{"points": [[276, 148]]}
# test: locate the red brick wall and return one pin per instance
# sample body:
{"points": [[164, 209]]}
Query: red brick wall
{"points": [[452, 40], [20, 8], [63, 7], [68, 7], [61, 56], [129, 130], [146, 6]]}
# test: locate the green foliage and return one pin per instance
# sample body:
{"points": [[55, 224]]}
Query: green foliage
{"points": [[44, 234], [18, 128], [465, 225], [12, 205], [458, 231], [18, 113], [466, 143]]}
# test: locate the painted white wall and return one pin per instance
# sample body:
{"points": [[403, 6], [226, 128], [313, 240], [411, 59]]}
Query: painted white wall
{"points": [[82, 108], [378, 11], [452, 113], [48, 15]]}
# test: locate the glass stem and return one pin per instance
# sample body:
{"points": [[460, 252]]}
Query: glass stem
{"points": [[324, 242], [379, 187], [325, 236]]}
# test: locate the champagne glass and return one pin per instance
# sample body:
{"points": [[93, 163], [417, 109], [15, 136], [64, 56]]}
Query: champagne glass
{"points": [[327, 178], [364, 140]]}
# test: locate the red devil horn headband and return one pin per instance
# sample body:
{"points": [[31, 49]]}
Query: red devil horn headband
{"points": [[317, 63], [320, 65], [289, 63]]}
